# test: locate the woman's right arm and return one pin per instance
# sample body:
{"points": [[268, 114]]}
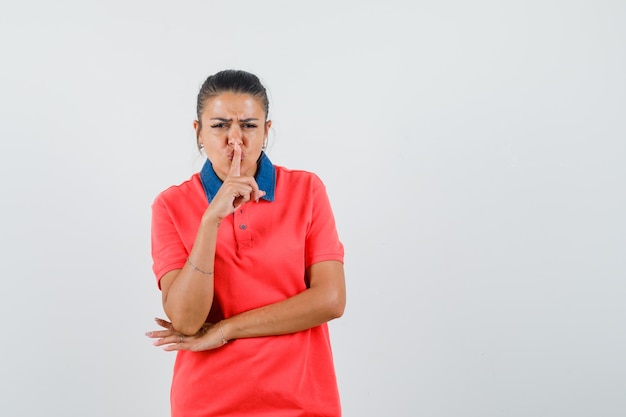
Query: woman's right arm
{"points": [[188, 292]]}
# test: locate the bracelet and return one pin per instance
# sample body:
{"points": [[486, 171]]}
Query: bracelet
{"points": [[219, 329], [198, 269]]}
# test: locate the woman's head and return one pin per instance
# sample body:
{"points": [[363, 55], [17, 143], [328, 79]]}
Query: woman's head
{"points": [[232, 109], [232, 81]]}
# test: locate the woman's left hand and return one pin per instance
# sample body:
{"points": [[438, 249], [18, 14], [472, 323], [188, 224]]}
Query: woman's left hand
{"points": [[208, 337]]}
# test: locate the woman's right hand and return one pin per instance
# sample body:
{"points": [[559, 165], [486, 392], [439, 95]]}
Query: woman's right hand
{"points": [[235, 191]]}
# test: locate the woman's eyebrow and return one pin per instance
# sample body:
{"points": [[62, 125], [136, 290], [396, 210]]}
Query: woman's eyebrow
{"points": [[221, 119]]}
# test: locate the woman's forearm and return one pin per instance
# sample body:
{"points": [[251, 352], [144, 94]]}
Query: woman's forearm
{"points": [[188, 292], [323, 301]]}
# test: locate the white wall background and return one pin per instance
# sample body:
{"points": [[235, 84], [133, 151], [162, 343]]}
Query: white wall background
{"points": [[473, 151]]}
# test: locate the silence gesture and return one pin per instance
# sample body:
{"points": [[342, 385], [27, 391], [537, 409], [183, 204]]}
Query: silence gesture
{"points": [[235, 191]]}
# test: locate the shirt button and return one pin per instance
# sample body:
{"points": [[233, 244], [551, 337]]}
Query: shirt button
{"points": [[243, 226]]}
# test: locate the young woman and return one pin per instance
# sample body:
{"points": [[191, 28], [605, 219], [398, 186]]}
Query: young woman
{"points": [[250, 266]]}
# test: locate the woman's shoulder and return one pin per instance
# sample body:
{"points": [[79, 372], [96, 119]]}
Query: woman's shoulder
{"points": [[298, 182], [297, 175], [184, 189]]}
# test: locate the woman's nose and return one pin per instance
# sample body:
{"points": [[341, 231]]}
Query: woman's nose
{"points": [[234, 135]]}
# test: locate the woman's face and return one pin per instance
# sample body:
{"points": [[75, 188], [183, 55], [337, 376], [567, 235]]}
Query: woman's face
{"points": [[228, 119]]}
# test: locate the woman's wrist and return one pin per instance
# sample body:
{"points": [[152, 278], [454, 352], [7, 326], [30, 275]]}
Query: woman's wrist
{"points": [[210, 220], [225, 330], [220, 331]]}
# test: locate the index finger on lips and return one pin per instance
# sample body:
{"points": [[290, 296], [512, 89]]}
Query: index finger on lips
{"points": [[235, 164]]}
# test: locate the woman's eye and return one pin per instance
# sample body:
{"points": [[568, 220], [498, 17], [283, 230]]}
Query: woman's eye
{"points": [[249, 126], [219, 125]]}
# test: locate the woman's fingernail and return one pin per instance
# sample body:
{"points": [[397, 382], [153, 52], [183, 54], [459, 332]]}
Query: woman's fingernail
{"points": [[148, 334]]}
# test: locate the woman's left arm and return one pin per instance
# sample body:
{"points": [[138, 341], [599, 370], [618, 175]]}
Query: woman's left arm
{"points": [[324, 300]]}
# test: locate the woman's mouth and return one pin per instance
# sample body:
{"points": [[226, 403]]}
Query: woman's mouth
{"points": [[230, 157]]}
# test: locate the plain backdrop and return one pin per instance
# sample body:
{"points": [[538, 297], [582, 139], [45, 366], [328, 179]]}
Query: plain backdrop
{"points": [[473, 153]]}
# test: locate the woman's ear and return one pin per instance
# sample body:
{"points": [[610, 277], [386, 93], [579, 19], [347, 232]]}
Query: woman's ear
{"points": [[197, 126]]}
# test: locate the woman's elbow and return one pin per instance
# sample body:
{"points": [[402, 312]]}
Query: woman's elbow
{"points": [[186, 328], [186, 325], [336, 304]]}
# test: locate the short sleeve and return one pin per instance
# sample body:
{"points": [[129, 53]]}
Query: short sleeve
{"points": [[168, 250], [322, 239]]}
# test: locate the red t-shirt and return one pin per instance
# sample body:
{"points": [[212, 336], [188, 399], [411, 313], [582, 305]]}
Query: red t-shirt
{"points": [[262, 252]]}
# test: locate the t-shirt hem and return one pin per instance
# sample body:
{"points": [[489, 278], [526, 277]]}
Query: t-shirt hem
{"points": [[167, 268], [325, 257]]}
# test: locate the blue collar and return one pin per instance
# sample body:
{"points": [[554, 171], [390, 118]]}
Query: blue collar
{"points": [[265, 177]]}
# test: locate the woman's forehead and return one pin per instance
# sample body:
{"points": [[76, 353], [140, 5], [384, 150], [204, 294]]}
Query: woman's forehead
{"points": [[233, 104]]}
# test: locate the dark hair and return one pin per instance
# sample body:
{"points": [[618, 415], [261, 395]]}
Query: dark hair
{"points": [[234, 81]]}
